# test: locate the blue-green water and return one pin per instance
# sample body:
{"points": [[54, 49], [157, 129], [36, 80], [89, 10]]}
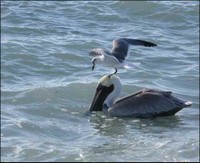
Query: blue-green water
{"points": [[47, 83]]}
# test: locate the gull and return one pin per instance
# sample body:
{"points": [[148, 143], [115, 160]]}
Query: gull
{"points": [[146, 103], [116, 57]]}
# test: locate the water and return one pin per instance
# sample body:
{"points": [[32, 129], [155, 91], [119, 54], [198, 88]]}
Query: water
{"points": [[47, 83]]}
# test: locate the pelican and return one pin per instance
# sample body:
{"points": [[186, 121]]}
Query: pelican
{"points": [[146, 103], [119, 52]]}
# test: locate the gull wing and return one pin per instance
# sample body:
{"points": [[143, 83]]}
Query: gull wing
{"points": [[98, 52], [148, 103], [121, 45]]}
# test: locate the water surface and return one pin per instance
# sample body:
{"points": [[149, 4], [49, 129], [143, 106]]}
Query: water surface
{"points": [[47, 84]]}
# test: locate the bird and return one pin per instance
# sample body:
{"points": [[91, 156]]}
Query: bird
{"points": [[146, 103], [116, 57]]}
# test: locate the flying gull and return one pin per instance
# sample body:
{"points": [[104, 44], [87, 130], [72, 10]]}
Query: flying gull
{"points": [[119, 52], [146, 103]]}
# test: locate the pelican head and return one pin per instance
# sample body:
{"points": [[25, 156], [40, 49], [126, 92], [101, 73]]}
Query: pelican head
{"points": [[107, 90]]}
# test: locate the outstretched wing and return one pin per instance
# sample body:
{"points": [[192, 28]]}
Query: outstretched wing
{"points": [[147, 103], [139, 42], [121, 45], [98, 52]]}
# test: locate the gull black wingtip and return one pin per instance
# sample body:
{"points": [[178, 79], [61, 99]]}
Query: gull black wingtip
{"points": [[155, 44], [150, 44]]}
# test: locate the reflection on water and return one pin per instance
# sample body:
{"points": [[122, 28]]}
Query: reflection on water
{"points": [[115, 126], [122, 136]]}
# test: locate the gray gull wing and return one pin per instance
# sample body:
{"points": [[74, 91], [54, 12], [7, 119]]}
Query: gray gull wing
{"points": [[98, 52], [121, 45]]}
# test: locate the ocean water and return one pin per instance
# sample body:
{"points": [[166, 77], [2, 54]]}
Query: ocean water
{"points": [[47, 84]]}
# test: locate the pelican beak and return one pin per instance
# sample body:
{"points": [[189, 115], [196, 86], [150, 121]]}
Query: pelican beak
{"points": [[100, 95]]}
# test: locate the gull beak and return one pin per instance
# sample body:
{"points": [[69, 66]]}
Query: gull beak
{"points": [[93, 66]]}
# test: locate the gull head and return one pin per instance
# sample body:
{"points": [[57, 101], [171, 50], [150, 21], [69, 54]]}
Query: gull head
{"points": [[96, 60]]}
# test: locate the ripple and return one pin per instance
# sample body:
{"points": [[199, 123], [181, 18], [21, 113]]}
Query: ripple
{"points": [[47, 84]]}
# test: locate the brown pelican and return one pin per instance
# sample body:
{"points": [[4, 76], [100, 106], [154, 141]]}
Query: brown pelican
{"points": [[119, 52], [146, 103]]}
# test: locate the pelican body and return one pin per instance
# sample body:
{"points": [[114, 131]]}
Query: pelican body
{"points": [[146, 103]]}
